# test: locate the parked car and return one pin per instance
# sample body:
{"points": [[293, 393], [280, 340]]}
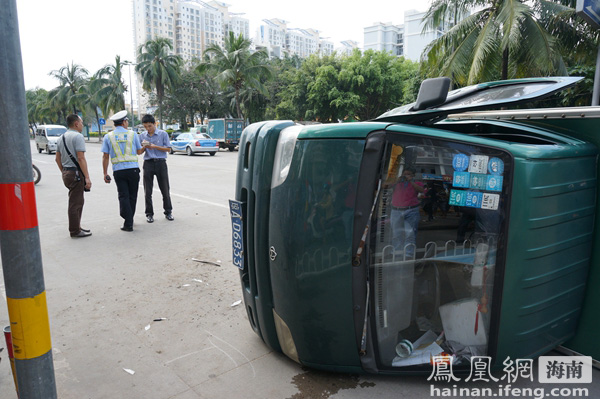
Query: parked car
{"points": [[199, 129], [46, 137], [341, 270], [175, 134], [191, 144]]}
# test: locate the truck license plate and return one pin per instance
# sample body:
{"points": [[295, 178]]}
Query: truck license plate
{"points": [[237, 235]]}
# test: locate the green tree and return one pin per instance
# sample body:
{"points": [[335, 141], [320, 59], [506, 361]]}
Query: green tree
{"points": [[293, 97], [195, 97], [158, 68], [91, 98], [109, 87], [71, 78], [578, 40], [504, 39], [37, 100], [371, 83], [236, 66]]}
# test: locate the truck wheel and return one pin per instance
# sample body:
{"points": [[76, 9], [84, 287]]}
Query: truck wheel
{"points": [[213, 153], [39, 149], [188, 150], [231, 148]]}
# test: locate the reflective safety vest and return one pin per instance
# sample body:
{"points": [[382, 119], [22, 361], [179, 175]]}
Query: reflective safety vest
{"points": [[115, 139]]}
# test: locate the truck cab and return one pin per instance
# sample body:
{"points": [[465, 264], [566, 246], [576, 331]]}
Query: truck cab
{"points": [[378, 246]]}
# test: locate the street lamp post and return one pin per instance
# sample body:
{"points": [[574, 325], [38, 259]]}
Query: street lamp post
{"points": [[129, 63]]}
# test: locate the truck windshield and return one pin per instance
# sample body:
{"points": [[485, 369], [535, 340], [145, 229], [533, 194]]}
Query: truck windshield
{"points": [[435, 243]]}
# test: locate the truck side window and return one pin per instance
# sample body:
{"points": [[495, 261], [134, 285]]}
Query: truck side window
{"points": [[435, 241]]}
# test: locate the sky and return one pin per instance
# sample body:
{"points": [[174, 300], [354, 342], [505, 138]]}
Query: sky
{"points": [[91, 33]]}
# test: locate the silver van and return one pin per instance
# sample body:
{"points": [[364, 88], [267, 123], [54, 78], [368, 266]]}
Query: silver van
{"points": [[46, 137]]}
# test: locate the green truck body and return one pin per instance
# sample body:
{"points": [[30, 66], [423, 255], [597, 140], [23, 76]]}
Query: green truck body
{"points": [[502, 268]]}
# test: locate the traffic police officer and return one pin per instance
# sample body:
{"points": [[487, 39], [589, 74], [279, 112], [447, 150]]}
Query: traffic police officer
{"points": [[122, 147]]}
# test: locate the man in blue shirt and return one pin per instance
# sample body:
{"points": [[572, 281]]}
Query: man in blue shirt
{"points": [[156, 144], [122, 147]]}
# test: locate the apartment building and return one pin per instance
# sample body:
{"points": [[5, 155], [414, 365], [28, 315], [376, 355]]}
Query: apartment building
{"points": [[279, 40], [271, 35], [407, 39], [385, 37], [191, 25], [347, 47]]}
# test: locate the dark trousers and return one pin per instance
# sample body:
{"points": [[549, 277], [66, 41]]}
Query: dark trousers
{"points": [[127, 181], [159, 169], [75, 186]]}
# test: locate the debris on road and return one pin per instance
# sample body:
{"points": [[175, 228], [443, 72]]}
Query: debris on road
{"points": [[160, 319], [147, 327], [236, 303], [208, 262], [129, 371]]}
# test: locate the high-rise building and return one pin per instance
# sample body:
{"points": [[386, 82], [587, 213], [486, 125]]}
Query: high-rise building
{"points": [[278, 40], [347, 47], [191, 25], [271, 35], [407, 39], [385, 37]]}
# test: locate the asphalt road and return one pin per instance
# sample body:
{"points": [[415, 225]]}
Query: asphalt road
{"points": [[104, 293]]}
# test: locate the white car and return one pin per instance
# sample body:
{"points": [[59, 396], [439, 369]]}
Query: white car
{"points": [[46, 137], [192, 143]]}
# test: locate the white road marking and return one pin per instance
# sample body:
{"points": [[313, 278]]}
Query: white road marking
{"points": [[197, 200], [156, 190]]}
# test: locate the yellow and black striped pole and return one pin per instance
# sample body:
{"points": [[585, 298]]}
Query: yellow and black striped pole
{"points": [[19, 234]]}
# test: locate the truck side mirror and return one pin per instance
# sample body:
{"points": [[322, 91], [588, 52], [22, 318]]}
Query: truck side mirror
{"points": [[433, 92]]}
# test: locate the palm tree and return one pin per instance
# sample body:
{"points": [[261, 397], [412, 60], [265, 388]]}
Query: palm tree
{"points": [[505, 39], [157, 68], [71, 78], [236, 66], [36, 101], [89, 95], [110, 87]]}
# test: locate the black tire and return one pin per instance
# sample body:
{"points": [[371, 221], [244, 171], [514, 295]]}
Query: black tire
{"points": [[37, 175], [231, 148], [39, 149], [213, 153], [48, 150], [171, 150], [188, 150]]}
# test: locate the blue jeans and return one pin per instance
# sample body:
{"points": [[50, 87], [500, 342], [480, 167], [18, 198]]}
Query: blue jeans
{"points": [[404, 230]]}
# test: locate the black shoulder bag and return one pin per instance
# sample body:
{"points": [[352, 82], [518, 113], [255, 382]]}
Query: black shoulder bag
{"points": [[74, 161]]}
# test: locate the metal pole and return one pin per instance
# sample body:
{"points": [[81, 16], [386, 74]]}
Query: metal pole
{"points": [[19, 234], [596, 92], [131, 92]]}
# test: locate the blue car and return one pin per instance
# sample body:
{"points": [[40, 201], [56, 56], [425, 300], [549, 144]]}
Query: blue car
{"points": [[192, 143]]}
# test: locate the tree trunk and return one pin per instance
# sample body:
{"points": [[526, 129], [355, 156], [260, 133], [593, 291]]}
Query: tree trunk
{"points": [[237, 103], [505, 64]]}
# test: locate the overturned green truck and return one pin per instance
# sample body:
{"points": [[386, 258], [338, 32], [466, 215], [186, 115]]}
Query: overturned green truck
{"points": [[440, 229]]}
